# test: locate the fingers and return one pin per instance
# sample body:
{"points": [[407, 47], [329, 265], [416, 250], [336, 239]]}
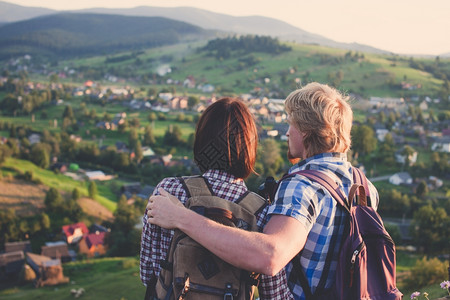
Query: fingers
{"points": [[163, 192]]}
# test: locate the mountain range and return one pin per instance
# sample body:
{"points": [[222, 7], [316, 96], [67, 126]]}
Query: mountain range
{"points": [[207, 20]]}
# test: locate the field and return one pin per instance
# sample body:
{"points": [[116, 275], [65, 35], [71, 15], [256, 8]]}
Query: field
{"points": [[118, 279], [58, 181], [27, 199]]}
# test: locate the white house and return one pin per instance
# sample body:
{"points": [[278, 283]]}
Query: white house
{"points": [[441, 145], [401, 158], [381, 134], [401, 178]]}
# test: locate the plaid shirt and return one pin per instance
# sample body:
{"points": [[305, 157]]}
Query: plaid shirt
{"points": [[322, 217], [155, 241]]}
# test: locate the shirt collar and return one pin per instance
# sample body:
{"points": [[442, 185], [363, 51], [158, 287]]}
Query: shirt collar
{"points": [[223, 176], [333, 157]]}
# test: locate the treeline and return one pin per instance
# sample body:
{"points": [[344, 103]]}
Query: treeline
{"points": [[20, 99], [222, 48]]}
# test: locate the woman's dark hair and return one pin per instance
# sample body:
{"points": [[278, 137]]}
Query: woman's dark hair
{"points": [[226, 138]]}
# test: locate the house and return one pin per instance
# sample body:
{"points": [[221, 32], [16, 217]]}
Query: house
{"points": [[97, 227], [147, 151], [206, 88], [24, 246], [386, 102], [74, 232], [57, 250], [59, 167], [135, 189], [401, 158], [165, 96], [145, 192], [93, 244], [401, 178], [178, 103], [97, 175], [11, 264], [381, 134], [34, 138], [441, 144], [434, 182], [48, 271], [189, 82]]}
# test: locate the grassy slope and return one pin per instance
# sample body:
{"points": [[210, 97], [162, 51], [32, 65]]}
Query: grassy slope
{"points": [[59, 182], [368, 76]]}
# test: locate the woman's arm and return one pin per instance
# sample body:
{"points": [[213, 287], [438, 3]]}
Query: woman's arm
{"points": [[266, 252]]}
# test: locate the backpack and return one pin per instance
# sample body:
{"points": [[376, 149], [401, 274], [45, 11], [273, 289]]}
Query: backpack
{"points": [[366, 265], [192, 272]]}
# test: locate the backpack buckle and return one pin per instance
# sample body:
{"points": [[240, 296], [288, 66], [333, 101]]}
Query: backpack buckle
{"points": [[228, 292]]}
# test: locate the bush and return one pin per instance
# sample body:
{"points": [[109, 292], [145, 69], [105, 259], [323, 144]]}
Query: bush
{"points": [[129, 263], [426, 272]]}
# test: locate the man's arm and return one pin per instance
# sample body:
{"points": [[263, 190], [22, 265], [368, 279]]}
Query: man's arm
{"points": [[266, 252]]}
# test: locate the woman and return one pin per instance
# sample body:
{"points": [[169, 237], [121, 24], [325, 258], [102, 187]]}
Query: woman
{"points": [[225, 151]]}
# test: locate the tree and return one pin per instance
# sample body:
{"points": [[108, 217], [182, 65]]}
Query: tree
{"points": [[40, 155], [363, 139], [76, 194], [407, 152], [92, 189], [149, 138], [270, 157], [151, 117], [45, 221], [53, 200], [430, 229], [422, 189], [68, 113], [172, 137], [124, 238], [138, 154], [193, 101], [386, 151], [133, 138]]}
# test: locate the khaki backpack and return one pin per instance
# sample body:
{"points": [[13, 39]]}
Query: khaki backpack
{"points": [[190, 271]]}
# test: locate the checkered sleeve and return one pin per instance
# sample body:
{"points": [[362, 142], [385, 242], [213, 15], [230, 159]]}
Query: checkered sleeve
{"points": [[297, 197], [155, 241], [272, 287]]}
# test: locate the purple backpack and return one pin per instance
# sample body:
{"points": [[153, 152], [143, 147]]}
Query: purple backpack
{"points": [[366, 263]]}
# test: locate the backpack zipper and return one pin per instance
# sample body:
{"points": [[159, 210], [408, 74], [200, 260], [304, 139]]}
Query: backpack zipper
{"points": [[353, 260]]}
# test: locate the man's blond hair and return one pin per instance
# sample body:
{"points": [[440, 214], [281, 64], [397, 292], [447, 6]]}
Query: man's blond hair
{"points": [[323, 115]]}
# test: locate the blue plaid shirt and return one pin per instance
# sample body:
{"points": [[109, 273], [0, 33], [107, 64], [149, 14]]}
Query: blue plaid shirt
{"points": [[322, 217]]}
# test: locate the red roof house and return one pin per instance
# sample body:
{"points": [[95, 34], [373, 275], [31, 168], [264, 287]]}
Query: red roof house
{"points": [[93, 244], [74, 232]]}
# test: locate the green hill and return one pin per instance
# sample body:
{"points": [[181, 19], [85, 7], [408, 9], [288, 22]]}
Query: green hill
{"points": [[71, 34], [235, 71]]}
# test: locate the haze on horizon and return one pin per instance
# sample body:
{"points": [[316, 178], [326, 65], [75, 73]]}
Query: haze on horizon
{"points": [[402, 26]]}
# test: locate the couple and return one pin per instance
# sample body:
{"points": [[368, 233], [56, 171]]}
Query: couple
{"points": [[304, 217]]}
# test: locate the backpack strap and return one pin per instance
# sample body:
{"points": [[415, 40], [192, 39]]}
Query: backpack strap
{"points": [[332, 187], [360, 178], [196, 186], [252, 202], [329, 184]]}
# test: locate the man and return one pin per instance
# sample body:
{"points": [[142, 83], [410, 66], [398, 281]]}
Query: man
{"points": [[304, 217]]}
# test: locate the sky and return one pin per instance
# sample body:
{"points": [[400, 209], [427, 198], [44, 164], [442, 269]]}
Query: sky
{"points": [[400, 26]]}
